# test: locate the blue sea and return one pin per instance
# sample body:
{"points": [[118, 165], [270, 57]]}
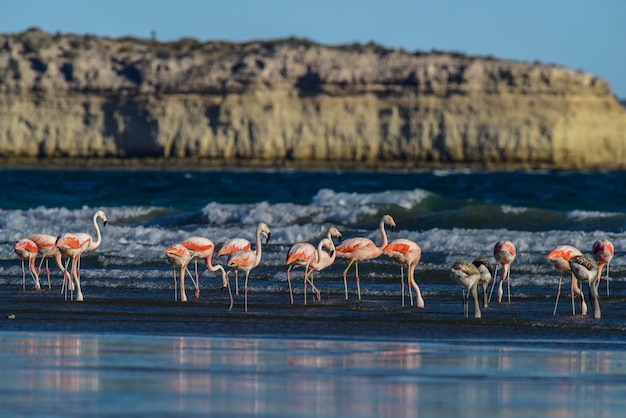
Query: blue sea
{"points": [[130, 349]]}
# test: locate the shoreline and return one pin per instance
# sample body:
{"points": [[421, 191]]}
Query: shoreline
{"points": [[196, 164]]}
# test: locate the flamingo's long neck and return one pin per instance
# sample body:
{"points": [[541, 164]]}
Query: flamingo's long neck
{"points": [[334, 252], [95, 244], [318, 258], [505, 271], [208, 261], [59, 261], [383, 234], [258, 250], [57, 258], [410, 270], [332, 248], [219, 267], [31, 264], [319, 262]]}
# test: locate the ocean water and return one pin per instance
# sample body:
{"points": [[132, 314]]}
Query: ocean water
{"points": [[130, 349]]}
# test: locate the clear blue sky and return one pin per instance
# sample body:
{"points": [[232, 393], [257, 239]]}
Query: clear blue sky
{"points": [[587, 35]]}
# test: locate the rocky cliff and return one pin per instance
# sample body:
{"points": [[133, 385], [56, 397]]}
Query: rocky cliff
{"points": [[295, 101]]}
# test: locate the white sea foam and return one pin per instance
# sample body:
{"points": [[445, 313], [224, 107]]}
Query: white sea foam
{"points": [[581, 215], [405, 199], [513, 209], [252, 214], [136, 236], [327, 206]]}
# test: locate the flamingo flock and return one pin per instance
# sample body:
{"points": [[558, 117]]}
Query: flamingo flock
{"points": [[69, 245], [240, 256]]}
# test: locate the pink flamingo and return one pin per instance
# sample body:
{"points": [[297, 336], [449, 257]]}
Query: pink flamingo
{"points": [[326, 258], [504, 253], [73, 245], [486, 274], [203, 248], [303, 254], [406, 253], [467, 275], [230, 246], [199, 248], [586, 271], [179, 256], [603, 252], [246, 260], [360, 248], [27, 250], [47, 248], [560, 257]]}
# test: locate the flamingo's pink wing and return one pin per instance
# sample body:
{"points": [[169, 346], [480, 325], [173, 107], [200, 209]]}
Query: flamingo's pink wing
{"points": [[398, 247], [26, 245], [504, 246], [604, 248], [300, 252], [566, 252], [355, 244], [200, 247], [241, 258], [234, 245], [69, 241]]}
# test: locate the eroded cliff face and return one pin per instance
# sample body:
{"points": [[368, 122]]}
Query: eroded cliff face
{"points": [[293, 100]]}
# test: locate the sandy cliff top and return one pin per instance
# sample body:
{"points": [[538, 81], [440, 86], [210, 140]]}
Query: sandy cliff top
{"points": [[38, 61]]}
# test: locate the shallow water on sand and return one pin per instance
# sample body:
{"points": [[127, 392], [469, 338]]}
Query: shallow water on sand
{"points": [[64, 374], [136, 353]]}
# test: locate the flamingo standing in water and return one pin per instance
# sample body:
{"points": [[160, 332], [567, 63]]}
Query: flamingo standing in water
{"points": [[303, 254], [406, 253], [603, 252], [326, 258], [179, 256], [26, 249], [504, 253], [586, 271], [47, 248], [467, 275], [486, 274], [73, 245], [203, 248], [361, 248], [230, 246], [246, 260], [560, 257]]}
